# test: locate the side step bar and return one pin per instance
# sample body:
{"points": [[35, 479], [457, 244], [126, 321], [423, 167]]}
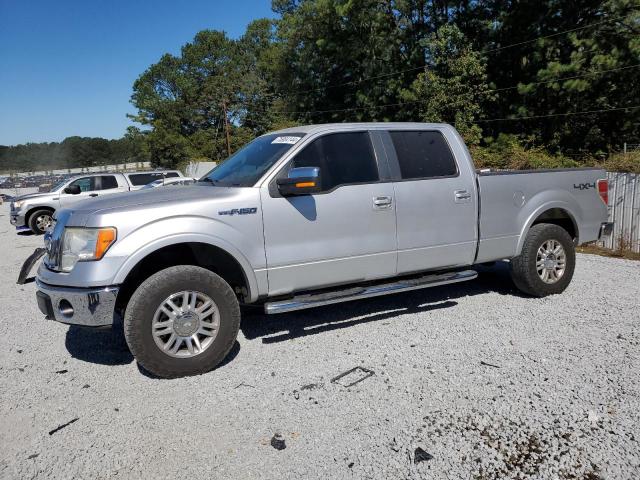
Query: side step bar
{"points": [[355, 293]]}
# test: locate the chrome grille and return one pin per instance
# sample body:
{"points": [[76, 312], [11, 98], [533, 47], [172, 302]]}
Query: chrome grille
{"points": [[53, 241]]}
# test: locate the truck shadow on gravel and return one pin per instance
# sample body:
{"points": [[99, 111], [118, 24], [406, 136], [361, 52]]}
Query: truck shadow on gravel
{"points": [[103, 346], [286, 326], [109, 347], [233, 353]]}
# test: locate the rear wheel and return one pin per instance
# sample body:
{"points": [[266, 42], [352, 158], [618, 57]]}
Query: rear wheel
{"points": [[40, 220], [546, 264], [182, 321]]}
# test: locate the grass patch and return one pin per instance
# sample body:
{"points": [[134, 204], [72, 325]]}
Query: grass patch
{"points": [[594, 249]]}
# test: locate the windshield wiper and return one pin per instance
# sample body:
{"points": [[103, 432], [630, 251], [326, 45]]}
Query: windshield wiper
{"points": [[218, 183], [207, 179]]}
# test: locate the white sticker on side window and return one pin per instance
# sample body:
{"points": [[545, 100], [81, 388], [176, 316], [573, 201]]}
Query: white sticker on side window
{"points": [[289, 140]]}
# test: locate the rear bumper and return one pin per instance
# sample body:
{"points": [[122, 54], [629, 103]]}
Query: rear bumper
{"points": [[606, 229], [91, 307]]}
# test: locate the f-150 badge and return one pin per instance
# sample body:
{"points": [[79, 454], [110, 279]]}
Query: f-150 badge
{"points": [[239, 211]]}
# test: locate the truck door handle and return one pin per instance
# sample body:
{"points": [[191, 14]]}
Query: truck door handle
{"points": [[380, 203], [93, 194], [462, 196]]}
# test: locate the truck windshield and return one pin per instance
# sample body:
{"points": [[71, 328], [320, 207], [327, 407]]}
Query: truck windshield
{"points": [[245, 167], [59, 185]]}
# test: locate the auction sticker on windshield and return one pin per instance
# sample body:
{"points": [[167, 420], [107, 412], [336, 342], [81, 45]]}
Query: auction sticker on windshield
{"points": [[289, 140]]}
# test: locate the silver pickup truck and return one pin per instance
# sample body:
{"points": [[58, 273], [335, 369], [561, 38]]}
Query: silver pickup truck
{"points": [[35, 211], [303, 217]]}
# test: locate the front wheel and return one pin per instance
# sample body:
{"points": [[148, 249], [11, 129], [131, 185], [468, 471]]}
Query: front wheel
{"points": [[40, 220], [546, 264], [182, 321]]}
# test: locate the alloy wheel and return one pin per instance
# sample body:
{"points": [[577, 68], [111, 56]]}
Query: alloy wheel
{"points": [[551, 261], [185, 324]]}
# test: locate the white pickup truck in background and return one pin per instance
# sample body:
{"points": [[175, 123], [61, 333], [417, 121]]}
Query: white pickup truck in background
{"points": [[35, 211]]}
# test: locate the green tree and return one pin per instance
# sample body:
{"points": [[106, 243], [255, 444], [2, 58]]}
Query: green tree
{"points": [[454, 85], [185, 99], [605, 36], [74, 152], [404, 60]]}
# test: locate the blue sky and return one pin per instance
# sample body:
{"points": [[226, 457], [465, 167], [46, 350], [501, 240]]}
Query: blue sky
{"points": [[67, 66]]}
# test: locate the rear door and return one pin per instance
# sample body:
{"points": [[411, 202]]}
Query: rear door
{"points": [[346, 233], [435, 201]]}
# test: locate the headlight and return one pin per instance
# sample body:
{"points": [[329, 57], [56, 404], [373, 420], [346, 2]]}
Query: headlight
{"points": [[18, 204], [84, 244]]}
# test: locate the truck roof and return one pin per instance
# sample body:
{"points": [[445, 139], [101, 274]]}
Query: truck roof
{"points": [[97, 174], [361, 125]]}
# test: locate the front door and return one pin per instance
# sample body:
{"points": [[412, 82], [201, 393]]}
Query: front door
{"points": [[87, 190], [346, 233]]}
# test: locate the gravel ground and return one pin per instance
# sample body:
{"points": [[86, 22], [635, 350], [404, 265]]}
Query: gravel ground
{"points": [[470, 381]]}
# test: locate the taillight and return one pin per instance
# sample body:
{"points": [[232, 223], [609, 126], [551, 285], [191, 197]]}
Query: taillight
{"points": [[603, 190]]}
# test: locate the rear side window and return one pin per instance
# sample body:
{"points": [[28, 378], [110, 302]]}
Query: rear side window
{"points": [[343, 158], [138, 179], [107, 182], [423, 154]]}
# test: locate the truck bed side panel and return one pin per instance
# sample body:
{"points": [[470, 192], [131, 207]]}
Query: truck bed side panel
{"points": [[511, 202]]}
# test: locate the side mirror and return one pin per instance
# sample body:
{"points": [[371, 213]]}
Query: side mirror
{"points": [[300, 181], [72, 189]]}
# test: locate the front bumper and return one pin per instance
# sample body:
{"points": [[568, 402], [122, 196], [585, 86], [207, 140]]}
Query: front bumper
{"points": [[90, 307], [16, 219]]}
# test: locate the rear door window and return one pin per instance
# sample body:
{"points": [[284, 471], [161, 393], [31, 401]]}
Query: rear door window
{"points": [[343, 158], [138, 179], [423, 154], [106, 182]]}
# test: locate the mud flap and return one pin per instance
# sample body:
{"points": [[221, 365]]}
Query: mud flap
{"points": [[29, 263]]}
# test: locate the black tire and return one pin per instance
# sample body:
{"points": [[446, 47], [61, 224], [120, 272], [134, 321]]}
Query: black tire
{"points": [[35, 221], [523, 267], [151, 294]]}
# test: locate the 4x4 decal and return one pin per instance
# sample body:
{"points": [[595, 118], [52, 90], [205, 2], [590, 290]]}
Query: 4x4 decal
{"points": [[584, 186]]}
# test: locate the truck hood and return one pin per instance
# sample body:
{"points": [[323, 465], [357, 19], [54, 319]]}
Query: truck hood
{"points": [[129, 211], [176, 198], [29, 196]]}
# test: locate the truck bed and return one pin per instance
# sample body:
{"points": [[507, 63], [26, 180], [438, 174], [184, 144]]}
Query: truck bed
{"points": [[512, 200]]}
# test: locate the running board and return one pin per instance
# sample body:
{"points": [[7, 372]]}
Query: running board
{"points": [[356, 293]]}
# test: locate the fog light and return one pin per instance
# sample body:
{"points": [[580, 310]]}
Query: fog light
{"points": [[65, 308]]}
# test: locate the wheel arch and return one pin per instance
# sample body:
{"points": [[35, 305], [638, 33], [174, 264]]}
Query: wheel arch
{"points": [[557, 213], [32, 210], [192, 249]]}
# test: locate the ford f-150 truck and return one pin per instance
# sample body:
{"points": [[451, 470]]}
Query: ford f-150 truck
{"points": [[35, 211], [304, 217]]}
